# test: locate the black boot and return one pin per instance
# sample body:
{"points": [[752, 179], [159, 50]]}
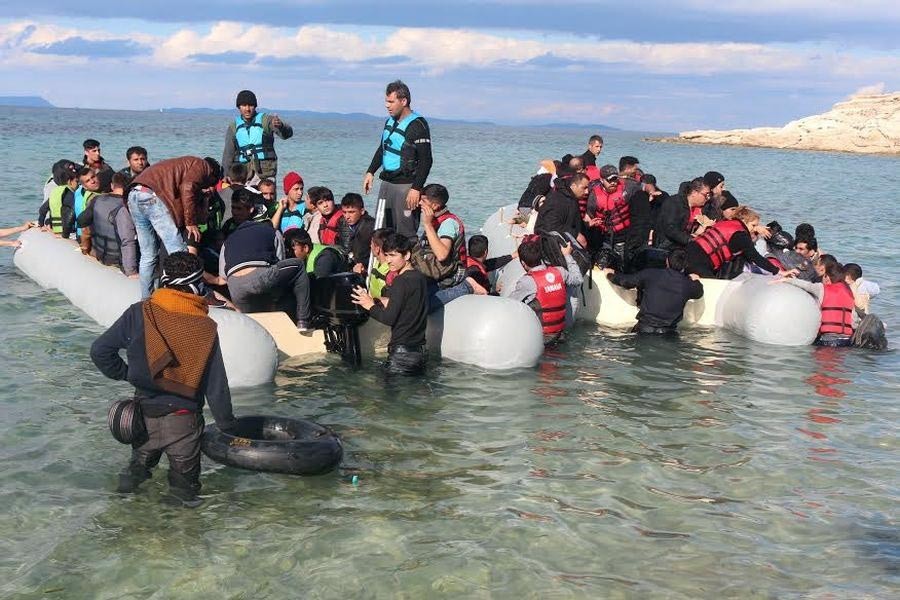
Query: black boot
{"points": [[184, 487], [132, 477]]}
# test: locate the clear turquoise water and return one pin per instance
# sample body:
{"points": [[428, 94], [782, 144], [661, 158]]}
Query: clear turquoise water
{"points": [[713, 467]]}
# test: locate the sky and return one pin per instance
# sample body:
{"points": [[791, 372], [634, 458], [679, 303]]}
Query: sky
{"points": [[652, 66]]}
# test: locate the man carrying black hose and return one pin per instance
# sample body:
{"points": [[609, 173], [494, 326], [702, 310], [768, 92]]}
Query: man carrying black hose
{"points": [[174, 363]]}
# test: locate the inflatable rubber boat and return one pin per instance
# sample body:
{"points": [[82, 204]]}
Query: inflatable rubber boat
{"points": [[773, 314], [489, 332]]}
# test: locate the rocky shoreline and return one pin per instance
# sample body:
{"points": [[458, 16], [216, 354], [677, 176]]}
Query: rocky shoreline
{"points": [[868, 124]]}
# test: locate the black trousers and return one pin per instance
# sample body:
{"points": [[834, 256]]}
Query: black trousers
{"points": [[650, 329], [405, 360]]}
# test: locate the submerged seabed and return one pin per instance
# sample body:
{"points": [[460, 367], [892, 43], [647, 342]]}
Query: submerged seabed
{"points": [[709, 467]]}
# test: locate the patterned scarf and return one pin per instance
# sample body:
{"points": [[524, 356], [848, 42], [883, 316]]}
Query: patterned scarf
{"points": [[179, 340]]}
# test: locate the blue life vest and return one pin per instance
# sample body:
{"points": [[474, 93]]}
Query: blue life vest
{"points": [[249, 138], [396, 153], [293, 219], [82, 197]]}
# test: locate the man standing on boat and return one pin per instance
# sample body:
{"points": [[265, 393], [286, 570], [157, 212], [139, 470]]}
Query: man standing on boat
{"points": [[250, 139], [404, 156]]}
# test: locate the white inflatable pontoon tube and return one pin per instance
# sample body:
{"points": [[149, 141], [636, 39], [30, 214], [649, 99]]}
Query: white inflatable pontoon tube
{"points": [[778, 314], [104, 293], [503, 237], [489, 332]]}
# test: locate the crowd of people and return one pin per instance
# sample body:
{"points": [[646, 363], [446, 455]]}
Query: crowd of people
{"points": [[662, 244], [262, 249], [227, 237]]}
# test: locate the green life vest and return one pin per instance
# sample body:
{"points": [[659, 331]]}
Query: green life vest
{"points": [[215, 213], [317, 249], [378, 279], [56, 199]]}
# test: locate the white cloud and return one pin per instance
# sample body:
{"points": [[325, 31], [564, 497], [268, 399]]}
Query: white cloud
{"points": [[436, 50], [578, 111], [868, 90]]}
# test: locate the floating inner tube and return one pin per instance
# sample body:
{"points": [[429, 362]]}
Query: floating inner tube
{"points": [[274, 444]]}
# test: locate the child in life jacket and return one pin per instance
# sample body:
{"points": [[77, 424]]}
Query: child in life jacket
{"points": [[836, 302], [544, 288], [330, 217], [478, 265]]}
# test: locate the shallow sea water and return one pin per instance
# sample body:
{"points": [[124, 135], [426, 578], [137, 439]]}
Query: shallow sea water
{"points": [[706, 467]]}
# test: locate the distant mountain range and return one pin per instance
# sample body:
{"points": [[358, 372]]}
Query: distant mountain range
{"points": [[28, 101], [38, 102], [357, 116]]}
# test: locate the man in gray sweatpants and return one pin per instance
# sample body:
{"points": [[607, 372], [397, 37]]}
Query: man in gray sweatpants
{"points": [[404, 157], [258, 276]]}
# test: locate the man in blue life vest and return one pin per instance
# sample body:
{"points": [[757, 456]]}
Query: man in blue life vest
{"points": [[404, 157], [250, 139]]}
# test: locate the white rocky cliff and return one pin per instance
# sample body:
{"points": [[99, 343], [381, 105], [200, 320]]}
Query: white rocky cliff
{"points": [[867, 124]]}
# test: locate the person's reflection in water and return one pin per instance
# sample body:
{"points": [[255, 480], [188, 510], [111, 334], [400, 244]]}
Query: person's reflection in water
{"points": [[830, 361]]}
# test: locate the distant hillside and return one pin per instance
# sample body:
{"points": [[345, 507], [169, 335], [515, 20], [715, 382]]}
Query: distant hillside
{"points": [[591, 126], [301, 113], [29, 101], [357, 116]]}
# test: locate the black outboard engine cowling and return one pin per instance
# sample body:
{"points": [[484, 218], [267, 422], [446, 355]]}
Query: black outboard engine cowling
{"points": [[333, 309], [330, 299]]}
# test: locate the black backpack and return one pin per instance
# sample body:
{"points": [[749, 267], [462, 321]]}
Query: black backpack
{"points": [[551, 251]]}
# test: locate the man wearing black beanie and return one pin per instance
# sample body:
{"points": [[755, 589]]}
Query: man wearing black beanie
{"points": [[250, 139], [716, 183]]}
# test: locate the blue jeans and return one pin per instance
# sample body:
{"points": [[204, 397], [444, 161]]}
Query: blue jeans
{"points": [[152, 218], [438, 297]]}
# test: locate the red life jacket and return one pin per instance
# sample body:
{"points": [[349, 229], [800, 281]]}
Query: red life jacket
{"points": [[460, 241], [714, 241], [614, 205], [552, 297], [471, 262], [592, 172], [837, 309], [329, 228]]}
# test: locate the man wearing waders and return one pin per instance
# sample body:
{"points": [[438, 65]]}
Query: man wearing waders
{"points": [[404, 156]]}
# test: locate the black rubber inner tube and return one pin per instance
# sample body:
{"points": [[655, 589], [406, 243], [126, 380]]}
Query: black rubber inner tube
{"points": [[274, 444]]}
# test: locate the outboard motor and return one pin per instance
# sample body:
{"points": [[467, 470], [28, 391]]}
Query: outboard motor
{"points": [[334, 311]]}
